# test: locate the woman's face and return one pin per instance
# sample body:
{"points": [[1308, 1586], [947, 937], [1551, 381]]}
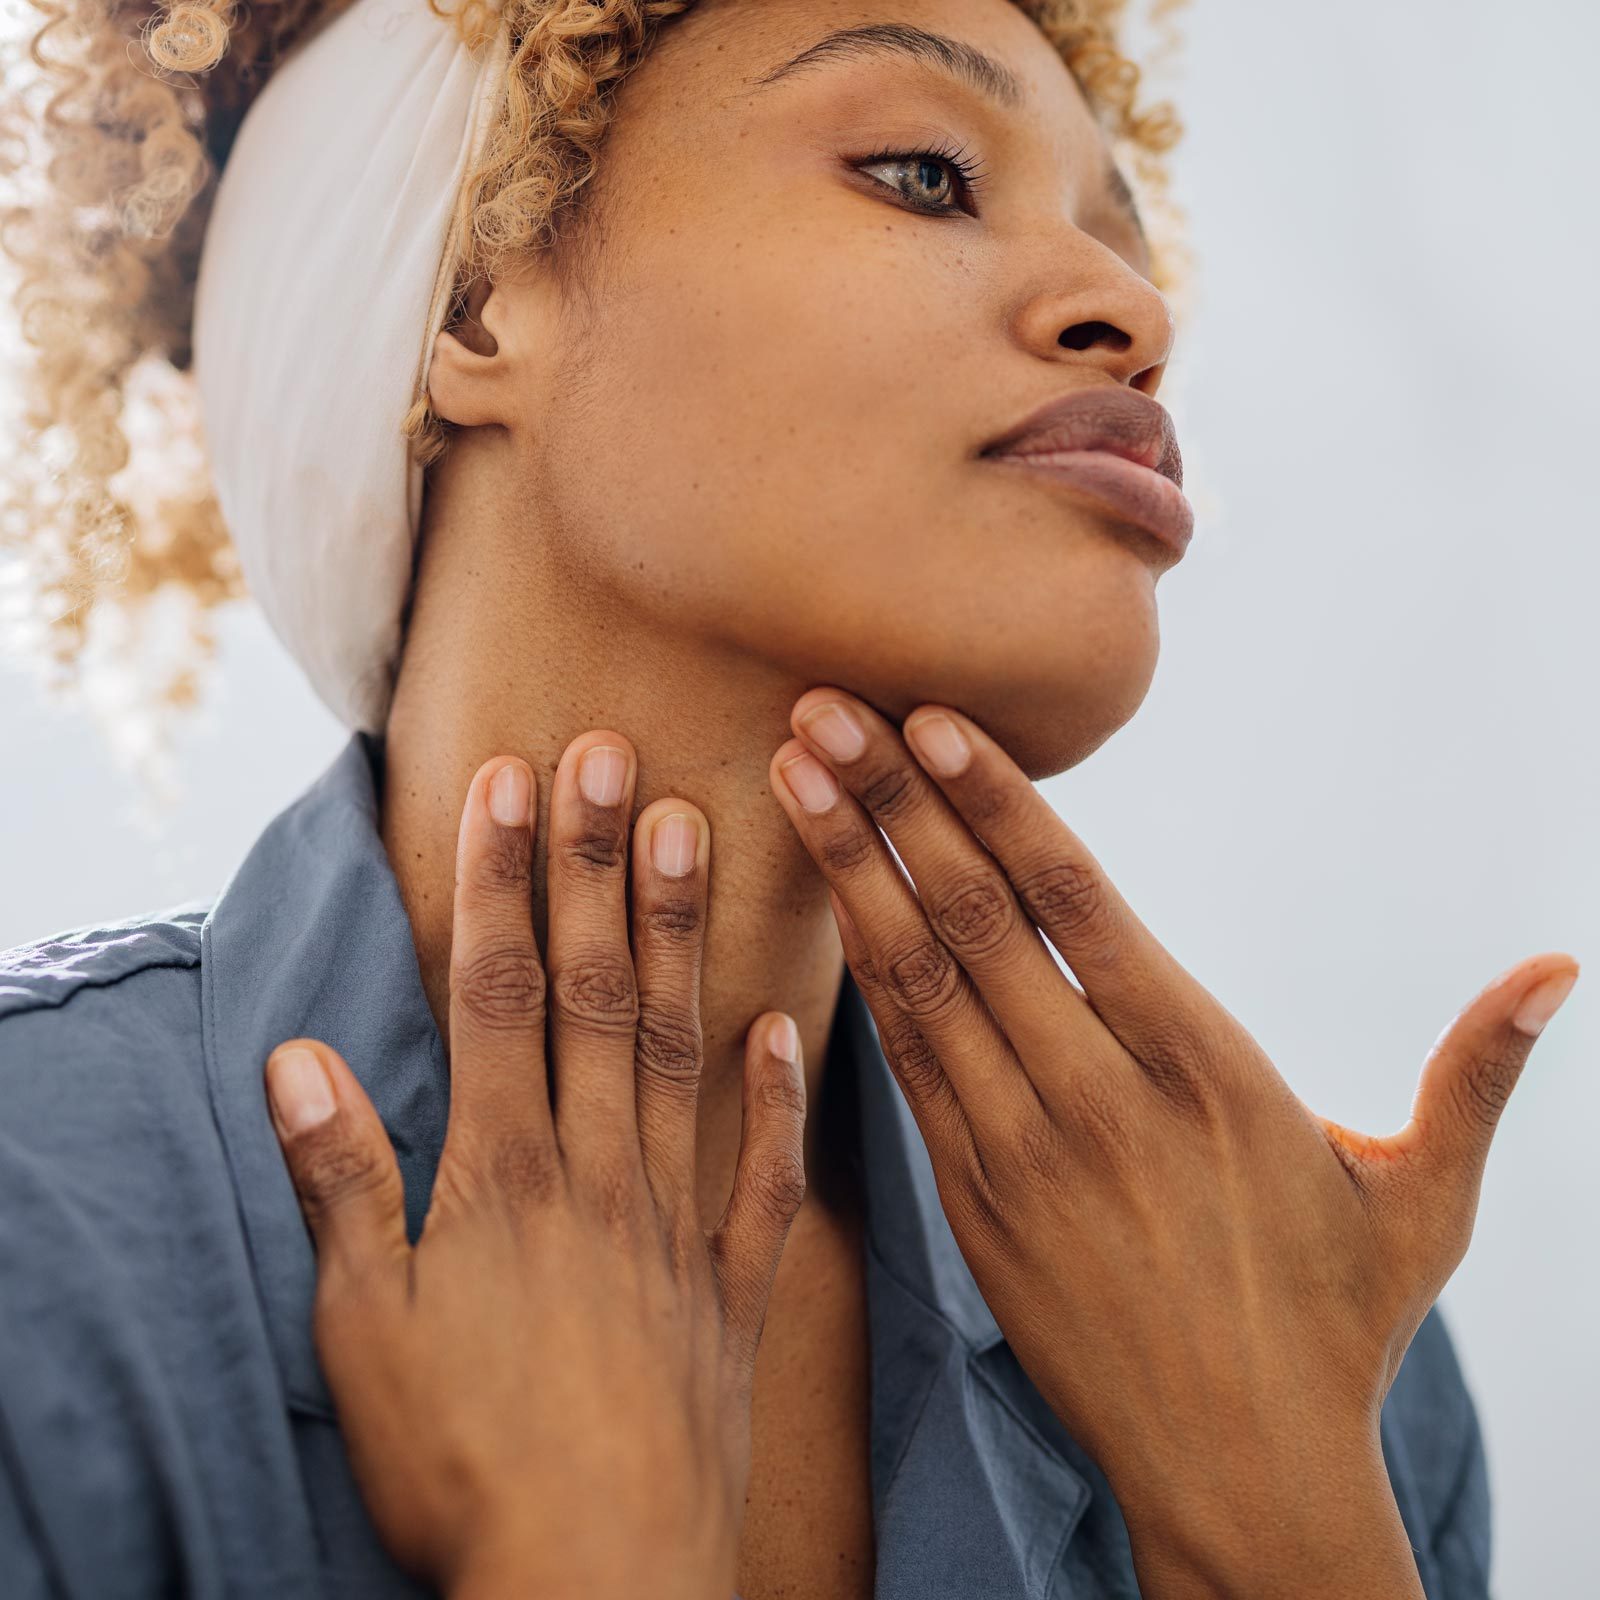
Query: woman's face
{"points": [[764, 412]]}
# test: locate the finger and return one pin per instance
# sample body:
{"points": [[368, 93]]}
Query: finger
{"points": [[340, 1160], [920, 976], [968, 901], [1472, 1069], [943, 1125], [671, 858], [594, 1002], [1153, 1005], [499, 1096], [769, 1181]]}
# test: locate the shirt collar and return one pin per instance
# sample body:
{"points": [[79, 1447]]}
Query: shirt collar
{"points": [[310, 937]]}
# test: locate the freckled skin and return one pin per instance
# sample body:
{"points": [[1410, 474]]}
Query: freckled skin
{"points": [[736, 299], [737, 458]]}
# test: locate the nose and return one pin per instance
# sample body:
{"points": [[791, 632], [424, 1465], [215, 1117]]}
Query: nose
{"points": [[1096, 311]]}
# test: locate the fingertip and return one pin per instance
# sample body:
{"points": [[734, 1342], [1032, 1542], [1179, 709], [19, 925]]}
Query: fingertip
{"points": [[1541, 1001], [510, 788], [774, 1076], [300, 1089], [783, 1037], [675, 836]]}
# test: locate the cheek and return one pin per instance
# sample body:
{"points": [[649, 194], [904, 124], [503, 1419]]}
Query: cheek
{"points": [[757, 398], [778, 452]]}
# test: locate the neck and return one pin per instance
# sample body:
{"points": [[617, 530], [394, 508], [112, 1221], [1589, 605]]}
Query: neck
{"points": [[512, 649]]}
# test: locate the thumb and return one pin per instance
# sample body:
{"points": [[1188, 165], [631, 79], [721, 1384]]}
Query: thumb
{"points": [[1476, 1062], [339, 1157]]}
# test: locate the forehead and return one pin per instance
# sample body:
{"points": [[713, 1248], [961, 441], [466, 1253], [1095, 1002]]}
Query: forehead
{"points": [[995, 25]]}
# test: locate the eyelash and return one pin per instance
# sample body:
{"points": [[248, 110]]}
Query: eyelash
{"points": [[970, 173]]}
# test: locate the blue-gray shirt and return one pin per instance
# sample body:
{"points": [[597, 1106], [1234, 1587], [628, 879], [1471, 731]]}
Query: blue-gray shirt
{"points": [[164, 1426]]}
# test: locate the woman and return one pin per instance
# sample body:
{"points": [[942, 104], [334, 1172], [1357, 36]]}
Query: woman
{"points": [[819, 394]]}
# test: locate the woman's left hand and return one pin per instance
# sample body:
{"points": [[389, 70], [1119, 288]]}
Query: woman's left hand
{"points": [[1210, 1284]]}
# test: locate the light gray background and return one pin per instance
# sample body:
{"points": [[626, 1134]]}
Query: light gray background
{"points": [[1366, 778]]}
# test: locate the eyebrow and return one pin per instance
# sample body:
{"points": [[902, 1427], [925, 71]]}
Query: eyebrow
{"points": [[964, 62]]}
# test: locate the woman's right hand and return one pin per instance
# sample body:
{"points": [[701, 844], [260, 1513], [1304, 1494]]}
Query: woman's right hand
{"points": [[549, 1394]]}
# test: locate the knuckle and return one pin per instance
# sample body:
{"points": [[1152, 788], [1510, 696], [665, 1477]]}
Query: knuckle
{"points": [[988, 806], [507, 863], [332, 1169], [976, 918], [925, 979], [1482, 1088], [890, 793], [502, 986], [847, 851], [866, 971], [670, 1045], [1041, 1146], [1190, 1077], [1102, 1117], [1188, 1092], [777, 1179], [591, 850], [919, 1070], [598, 990], [1070, 896], [674, 921]]}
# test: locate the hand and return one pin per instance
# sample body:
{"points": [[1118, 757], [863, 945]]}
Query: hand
{"points": [[1211, 1285], [550, 1393]]}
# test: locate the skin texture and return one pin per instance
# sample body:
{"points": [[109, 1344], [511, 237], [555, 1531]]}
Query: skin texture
{"points": [[735, 459], [563, 1337], [741, 452], [734, 455], [1212, 1285]]}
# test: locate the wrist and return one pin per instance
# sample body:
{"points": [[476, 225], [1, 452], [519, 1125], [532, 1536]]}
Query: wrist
{"points": [[1325, 1528], [559, 1570]]}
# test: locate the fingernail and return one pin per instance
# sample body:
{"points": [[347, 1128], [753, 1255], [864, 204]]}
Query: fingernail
{"points": [[508, 796], [600, 774], [837, 729], [814, 786], [1542, 1002], [783, 1039], [301, 1093], [674, 842], [940, 743]]}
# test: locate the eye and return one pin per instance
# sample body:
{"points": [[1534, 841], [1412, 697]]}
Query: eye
{"points": [[926, 179]]}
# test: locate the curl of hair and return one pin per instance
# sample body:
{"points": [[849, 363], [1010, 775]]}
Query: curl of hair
{"points": [[110, 147]]}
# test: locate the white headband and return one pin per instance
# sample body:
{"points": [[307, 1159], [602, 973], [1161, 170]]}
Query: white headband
{"points": [[325, 274]]}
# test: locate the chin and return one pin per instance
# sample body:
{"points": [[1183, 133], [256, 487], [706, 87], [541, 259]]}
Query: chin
{"points": [[1047, 708], [1059, 724], [1061, 678]]}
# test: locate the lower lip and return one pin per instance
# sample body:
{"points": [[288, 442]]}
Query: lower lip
{"points": [[1136, 494]]}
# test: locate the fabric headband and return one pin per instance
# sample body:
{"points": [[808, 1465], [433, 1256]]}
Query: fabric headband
{"points": [[325, 275]]}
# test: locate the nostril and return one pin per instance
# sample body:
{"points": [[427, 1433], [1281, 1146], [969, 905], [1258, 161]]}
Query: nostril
{"points": [[1085, 335]]}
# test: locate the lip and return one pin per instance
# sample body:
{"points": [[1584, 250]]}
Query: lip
{"points": [[1116, 445]]}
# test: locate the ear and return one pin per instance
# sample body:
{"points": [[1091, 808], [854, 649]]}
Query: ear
{"points": [[470, 376]]}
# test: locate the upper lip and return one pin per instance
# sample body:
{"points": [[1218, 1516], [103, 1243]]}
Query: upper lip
{"points": [[1123, 422]]}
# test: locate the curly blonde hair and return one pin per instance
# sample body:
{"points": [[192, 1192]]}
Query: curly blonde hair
{"points": [[110, 149]]}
